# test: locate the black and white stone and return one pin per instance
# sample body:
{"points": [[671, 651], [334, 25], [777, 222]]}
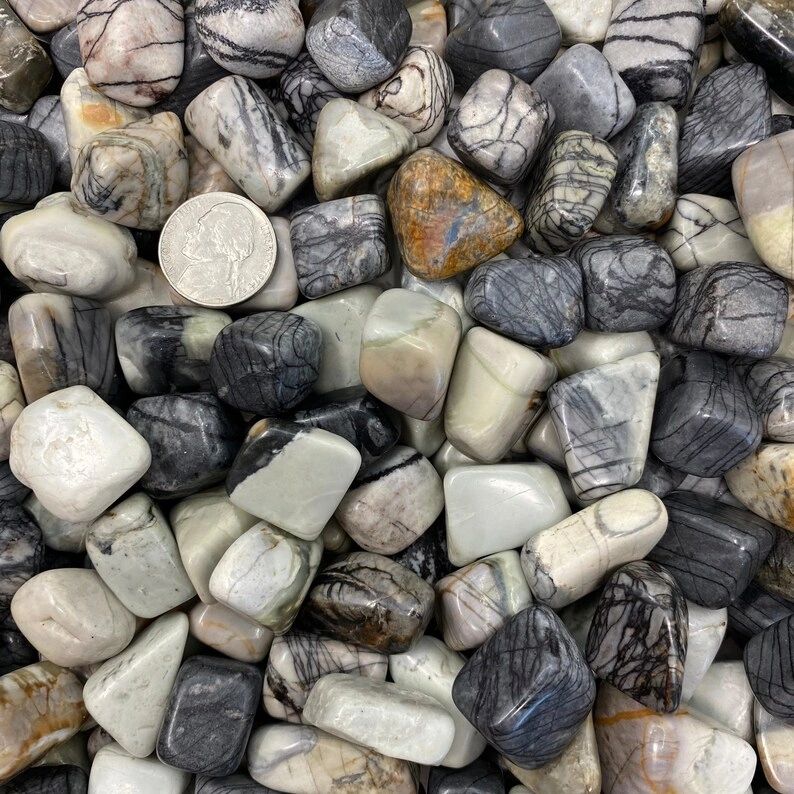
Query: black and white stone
{"points": [[193, 437], [233, 784], [499, 126], [730, 111], [49, 779], [479, 777], [629, 283], [769, 663], [705, 420], [266, 363], [21, 552], [574, 178], [655, 45], [338, 244], [730, 307], [427, 556], [538, 302], [27, 166], [167, 348], [46, 117], [518, 36], [527, 689], [756, 609], [61, 341], [254, 38], [65, 49], [357, 44], [638, 638], [370, 601], [771, 386], [712, 549], [12, 491]]}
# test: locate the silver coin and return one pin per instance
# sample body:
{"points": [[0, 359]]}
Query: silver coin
{"points": [[218, 249]]}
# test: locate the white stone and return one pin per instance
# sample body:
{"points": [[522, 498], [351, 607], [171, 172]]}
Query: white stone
{"points": [[591, 349], [59, 247], [775, 742], [133, 549], [149, 288], [115, 771], [128, 694], [706, 628], [496, 389], [581, 20], [448, 458], [12, 401], [424, 437], [572, 558], [76, 453], [429, 19], [724, 696], [44, 16], [543, 442], [382, 716], [272, 590], [495, 508], [446, 290], [430, 667], [341, 318], [58, 534], [230, 633]]}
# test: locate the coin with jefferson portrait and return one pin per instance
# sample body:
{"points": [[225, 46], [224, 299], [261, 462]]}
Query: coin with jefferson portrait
{"points": [[218, 249]]}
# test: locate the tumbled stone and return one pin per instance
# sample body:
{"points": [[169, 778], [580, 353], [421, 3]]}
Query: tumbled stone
{"points": [[46, 116], [479, 777], [761, 482], [447, 290], [21, 553], [229, 632], [206, 173], [429, 25], [49, 779], [65, 50], [426, 556], [115, 771], [776, 574], [15, 651], [28, 167], [424, 437], [769, 662], [591, 349], [705, 632], [755, 610], [510, 688], [12, 401], [230, 784], [771, 385], [774, 739], [724, 696]]}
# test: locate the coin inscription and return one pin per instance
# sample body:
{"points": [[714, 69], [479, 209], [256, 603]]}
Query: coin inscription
{"points": [[218, 249]]}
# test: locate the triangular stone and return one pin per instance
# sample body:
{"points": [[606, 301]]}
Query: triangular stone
{"points": [[127, 695]]}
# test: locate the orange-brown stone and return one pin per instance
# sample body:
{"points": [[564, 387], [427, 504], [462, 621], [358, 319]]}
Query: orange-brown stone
{"points": [[446, 220]]}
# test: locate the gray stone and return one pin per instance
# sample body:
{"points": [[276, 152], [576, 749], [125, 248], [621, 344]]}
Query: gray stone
{"points": [[771, 385], [65, 50], [27, 167], [46, 117]]}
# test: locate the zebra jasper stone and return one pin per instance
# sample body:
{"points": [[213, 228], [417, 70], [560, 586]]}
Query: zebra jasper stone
{"points": [[769, 662], [638, 638]]}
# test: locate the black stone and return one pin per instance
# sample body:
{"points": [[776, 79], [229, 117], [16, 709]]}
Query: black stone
{"points": [[427, 556], [66, 779], [755, 609], [21, 552], [782, 123], [769, 662], [11, 489], [234, 784], [27, 167], [15, 651], [479, 777]]}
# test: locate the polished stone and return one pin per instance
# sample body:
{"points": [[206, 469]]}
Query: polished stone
{"points": [[230, 633], [206, 173], [479, 777], [591, 349], [771, 385], [65, 50], [427, 555], [776, 575], [65, 779], [774, 744], [724, 696], [425, 437], [115, 771], [21, 552], [46, 116], [581, 20], [769, 662], [705, 633], [15, 651], [12, 401], [447, 290], [429, 25], [231, 784], [27, 162], [755, 610]]}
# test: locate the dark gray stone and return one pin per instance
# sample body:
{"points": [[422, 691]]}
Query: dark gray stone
{"points": [[15, 651], [771, 385], [427, 556], [234, 784], [66, 779], [769, 662], [755, 609], [65, 50], [658, 478], [46, 117], [479, 777], [27, 167], [11, 489], [21, 552]]}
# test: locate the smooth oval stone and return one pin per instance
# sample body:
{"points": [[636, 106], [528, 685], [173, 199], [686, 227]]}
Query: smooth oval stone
{"points": [[776, 574], [774, 744], [21, 552], [705, 633], [756, 609], [26, 67], [133, 52], [127, 695], [252, 39], [712, 549], [65, 50], [510, 688], [26, 163], [266, 363], [115, 771], [46, 117], [767, 206], [209, 715], [763, 32], [340, 604], [705, 419], [77, 453], [356, 48], [447, 221], [769, 663], [576, 173], [193, 437], [66, 779], [543, 442], [271, 591], [479, 777], [267, 162], [41, 707], [725, 697], [771, 385], [304, 760], [638, 638], [572, 558], [518, 36], [687, 754], [132, 548], [230, 633], [71, 617]]}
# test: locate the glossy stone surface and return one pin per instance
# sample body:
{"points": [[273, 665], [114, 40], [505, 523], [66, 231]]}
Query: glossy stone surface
{"points": [[528, 689], [479, 777], [774, 742], [115, 771], [21, 552], [724, 696], [776, 574], [705, 419], [206, 173], [447, 290], [266, 363], [705, 633], [27, 163], [638, 639], [429, 25], [426, 556], [15, 651], [230, 633], [769, 662], [499, 126], [46, 116], [574, 179], [771, 385], [66, 779], [12, 401], [340, 604], [231, 784], [518, 36], [209, 716], [538, 302], [756, 609], [591, 349]]}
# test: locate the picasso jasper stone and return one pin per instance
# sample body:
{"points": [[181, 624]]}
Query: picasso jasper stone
{"points": [[447, 290], [574, 178], [654, 46], [705, 419], [417, 95], [276, 464], [65, 50], [479, 777], [426, 556], [230, 633], [638, 638], [591, 349], [499, 126], [132, 52], [603, 420], [297, 661], [771, 385], [27, 163], [340, 604], [705, 230], [424, 437], [267, 162], [528, 689], [518, 36], [724, 696], [252, 39], [47, 118], [729, 112], [61, 341], [705, 633], [266, 363], [115, 770], [769, 662], [209, 715], [206, 174], [586, 92], [730, 307], [756, 609], [616, 271], [21, 552]]}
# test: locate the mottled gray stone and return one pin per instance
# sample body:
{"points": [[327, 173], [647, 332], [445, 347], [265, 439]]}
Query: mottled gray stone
{"points": [[27, 166], [771, 385], [479, 777], [46, 117], [755, 609], [21, 552], [233, 784], [60, 779], [769, 662], [65, 50]]}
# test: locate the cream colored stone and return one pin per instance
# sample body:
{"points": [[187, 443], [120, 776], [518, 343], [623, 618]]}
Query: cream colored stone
{"points": [[58, 534], [705, 631], [448, 458], [724, 696], [543, 442], [230, 633], [581, 20], [12, 401], [206, 173], [44, 16], [775, 741], [591, 349], [149, 288], [116, 771]]}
